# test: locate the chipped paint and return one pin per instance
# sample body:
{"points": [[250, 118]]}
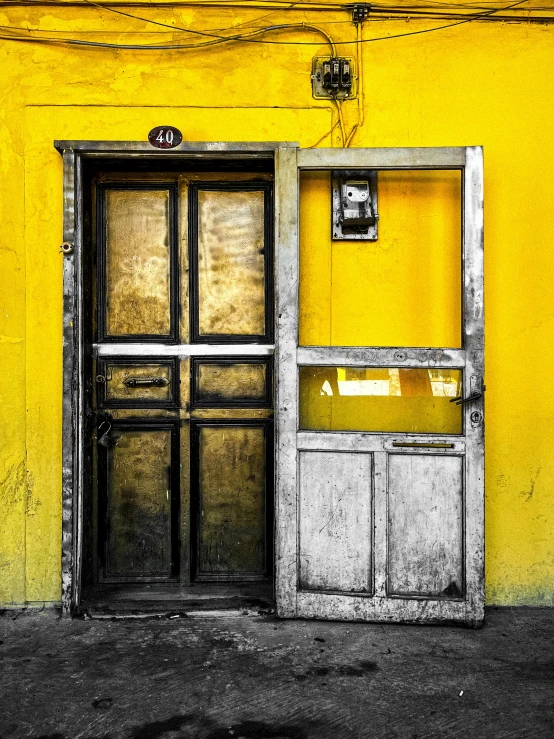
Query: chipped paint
{"points": [[10, 340]]}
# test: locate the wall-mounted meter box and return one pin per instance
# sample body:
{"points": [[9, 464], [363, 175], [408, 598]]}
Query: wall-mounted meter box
{"points": [[333, 78], [354, 205]]}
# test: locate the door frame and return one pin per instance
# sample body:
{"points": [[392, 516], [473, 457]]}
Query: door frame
{"points": [[73, 412], [291, 600]]}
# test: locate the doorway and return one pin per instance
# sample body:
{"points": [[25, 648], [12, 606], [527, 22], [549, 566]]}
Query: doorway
{"points": [[178, 364], [168, 384]]}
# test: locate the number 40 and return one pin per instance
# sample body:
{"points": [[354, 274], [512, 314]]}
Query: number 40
{"points": [[165, 139]]}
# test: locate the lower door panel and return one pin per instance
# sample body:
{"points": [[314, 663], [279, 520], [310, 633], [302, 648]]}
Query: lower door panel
{"points": [[231, 485], [138, 505], [381, 530]]}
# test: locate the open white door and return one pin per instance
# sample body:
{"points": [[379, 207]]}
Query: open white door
{"points": [[380, 465]]}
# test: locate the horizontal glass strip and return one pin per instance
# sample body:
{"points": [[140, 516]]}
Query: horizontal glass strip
{"points": [[386, 399]]}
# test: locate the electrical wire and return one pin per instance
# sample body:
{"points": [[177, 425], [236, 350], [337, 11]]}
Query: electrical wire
{"points": [[278, 4], [239, 37], [245, 37], [216, 39], [164, 47], [360, 50], [360, 62], [427, 8], [338, 103], [325, 135]]}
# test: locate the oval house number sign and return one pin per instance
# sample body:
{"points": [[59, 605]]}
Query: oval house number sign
{"points": [[165, 137]]}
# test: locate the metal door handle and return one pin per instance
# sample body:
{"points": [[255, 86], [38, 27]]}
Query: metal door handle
{"points": [[460, 401], [146, 381], [423, 445]]}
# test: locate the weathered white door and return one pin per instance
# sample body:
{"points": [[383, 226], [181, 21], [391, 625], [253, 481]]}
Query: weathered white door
{"points": [[379, 490]]}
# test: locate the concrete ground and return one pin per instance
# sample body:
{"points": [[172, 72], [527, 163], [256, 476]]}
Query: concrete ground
{"points": [[234, 676]]}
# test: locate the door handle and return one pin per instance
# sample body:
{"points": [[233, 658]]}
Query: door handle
{"points": [[460, 401], [146, 382]]}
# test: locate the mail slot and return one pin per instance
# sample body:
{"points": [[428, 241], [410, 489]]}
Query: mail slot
{"points": [[133, 383]]}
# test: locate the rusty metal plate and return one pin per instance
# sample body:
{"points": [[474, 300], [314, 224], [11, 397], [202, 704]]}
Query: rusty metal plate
{"points": [[228, 383], [137, 263], [138, 503], [231, 263], [232, 491], [138, 382]]}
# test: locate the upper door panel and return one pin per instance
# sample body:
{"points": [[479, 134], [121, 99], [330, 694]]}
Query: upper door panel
{"points": [[137, 296], [230, 230], [208, 280]]}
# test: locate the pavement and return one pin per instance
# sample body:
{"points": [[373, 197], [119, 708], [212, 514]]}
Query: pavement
{"points": [[248, 675]]}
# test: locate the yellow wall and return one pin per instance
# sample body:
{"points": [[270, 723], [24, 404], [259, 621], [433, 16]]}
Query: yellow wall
{"points": [[478, 83]]}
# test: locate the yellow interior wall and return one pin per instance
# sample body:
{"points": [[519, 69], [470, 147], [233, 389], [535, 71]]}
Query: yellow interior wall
{"points": [[477, 83], [403, 289]]}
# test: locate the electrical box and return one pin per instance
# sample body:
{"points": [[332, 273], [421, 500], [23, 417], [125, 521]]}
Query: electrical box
{"points": [[333, 78], [354, 204]]}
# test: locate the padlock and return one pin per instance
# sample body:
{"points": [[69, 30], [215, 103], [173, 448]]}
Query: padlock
{"points": [[105, 440]]}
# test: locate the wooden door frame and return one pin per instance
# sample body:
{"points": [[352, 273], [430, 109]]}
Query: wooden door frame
{"points": [[289, 163], [73, 413]]}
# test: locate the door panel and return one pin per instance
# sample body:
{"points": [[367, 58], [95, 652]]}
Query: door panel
{"points": [[382, 365], [231, 484], [335, 521], [139, 506], [231, 263], [232, 382], [425, 525], [136, 229], [134, 382], [231, 260]]}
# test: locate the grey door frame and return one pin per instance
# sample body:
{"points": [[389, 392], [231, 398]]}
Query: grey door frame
{"points": [[74, 153], [290, 600]]}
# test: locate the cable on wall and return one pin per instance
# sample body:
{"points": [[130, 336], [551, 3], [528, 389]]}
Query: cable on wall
{"points": [[15, 34]]}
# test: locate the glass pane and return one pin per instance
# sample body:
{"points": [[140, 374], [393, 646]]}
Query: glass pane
{"points": [[231, 263], [131, 382], [139, 505], [403, 289], [137, 262], [220, 383], [384, 399], [232, 500]]}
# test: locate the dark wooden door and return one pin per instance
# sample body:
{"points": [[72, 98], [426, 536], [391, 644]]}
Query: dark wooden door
{"points": [[182, 378]]}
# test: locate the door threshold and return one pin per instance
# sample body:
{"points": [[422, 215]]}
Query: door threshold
{"points": [[108, 601]]}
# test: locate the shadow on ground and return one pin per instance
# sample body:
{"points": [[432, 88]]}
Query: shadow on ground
{"points": [[254, 677]]}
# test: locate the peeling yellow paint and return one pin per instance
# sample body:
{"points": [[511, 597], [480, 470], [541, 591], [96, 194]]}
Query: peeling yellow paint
{"points": [[476, 83], [10, 340]]}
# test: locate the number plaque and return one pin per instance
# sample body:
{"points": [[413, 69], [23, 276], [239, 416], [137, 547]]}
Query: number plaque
{"points": [[165, 137]]}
